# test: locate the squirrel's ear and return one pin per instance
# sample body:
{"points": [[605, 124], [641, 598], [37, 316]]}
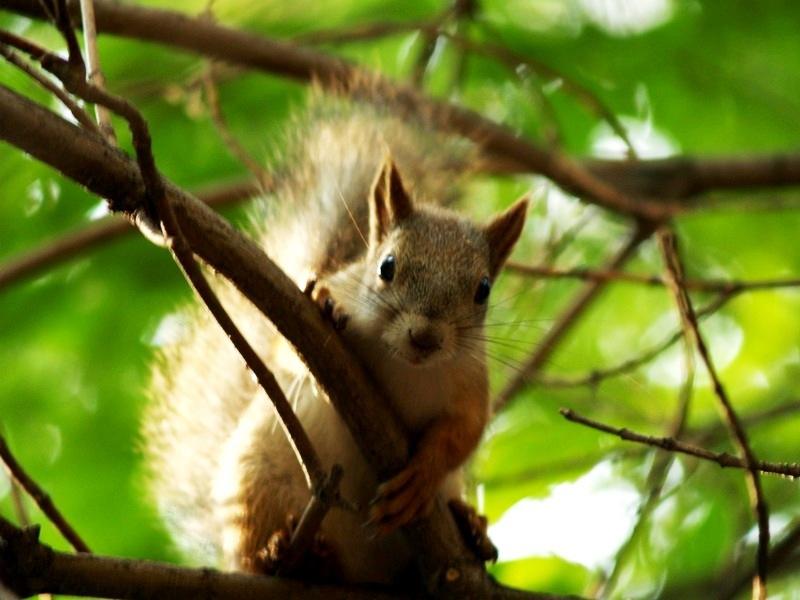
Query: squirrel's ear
{"points": [[389, 201], [503, 232]]}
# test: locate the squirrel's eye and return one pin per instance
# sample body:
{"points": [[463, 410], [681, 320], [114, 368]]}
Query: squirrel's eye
{"points": [[482, 293], [386, 268]]}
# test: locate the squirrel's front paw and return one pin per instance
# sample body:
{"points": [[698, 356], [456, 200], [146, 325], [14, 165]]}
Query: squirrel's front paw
{"points": [[408, 496], [321, 295]]}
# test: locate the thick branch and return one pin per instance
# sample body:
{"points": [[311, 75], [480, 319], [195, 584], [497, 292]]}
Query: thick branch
{"points": [[679, 177], [109, 173], [34, 568]]}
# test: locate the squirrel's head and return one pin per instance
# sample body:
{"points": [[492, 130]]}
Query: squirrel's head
{"points": [[431, 272]]}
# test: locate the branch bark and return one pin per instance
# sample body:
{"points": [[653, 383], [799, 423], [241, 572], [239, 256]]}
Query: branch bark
{"points": [[87, 159], [34, 568], [674, 270], [660, 181], [41, 497], [671, 444]]}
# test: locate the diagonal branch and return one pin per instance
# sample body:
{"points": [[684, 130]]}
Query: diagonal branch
{"points": [[79, 241], [596, 376], [565, 322], [671, 178], [80, 115], [726, 286], [668, 245], [339, 76], [109, 173], [671, 444], [41, 497]]}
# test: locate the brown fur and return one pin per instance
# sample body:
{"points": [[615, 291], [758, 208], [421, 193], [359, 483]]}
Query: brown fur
{"points": [[222, 471]]}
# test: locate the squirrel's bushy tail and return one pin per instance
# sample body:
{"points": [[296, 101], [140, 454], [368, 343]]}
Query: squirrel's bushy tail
{"points": [[314, 222], [319, 217]]}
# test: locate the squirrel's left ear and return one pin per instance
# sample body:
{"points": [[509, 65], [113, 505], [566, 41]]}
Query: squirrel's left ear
{"points": [[389, 202], [503, 232]]}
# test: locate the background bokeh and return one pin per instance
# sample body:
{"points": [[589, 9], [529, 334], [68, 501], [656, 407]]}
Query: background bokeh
{"points": [[693, 77]]}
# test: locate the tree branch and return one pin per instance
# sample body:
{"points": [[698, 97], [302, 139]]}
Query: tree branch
{"points": [[726, 286], [109, 173], [596, 376], [671, 178], [75, 243], [565, 322], [723, 459], [42, 498], [668, 245], [32, 567]]}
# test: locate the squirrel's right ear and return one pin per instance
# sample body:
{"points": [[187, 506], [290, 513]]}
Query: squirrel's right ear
{"points": [[389, 202], [503, 232]]}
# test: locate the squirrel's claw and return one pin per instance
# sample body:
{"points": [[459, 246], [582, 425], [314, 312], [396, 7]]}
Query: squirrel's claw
{"points": [[473, 528], [406, 497], [319, 564], [321, 295], [269, 559]]}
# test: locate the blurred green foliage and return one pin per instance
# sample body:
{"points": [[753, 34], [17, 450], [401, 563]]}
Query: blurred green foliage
{"points": [[685, 77]]}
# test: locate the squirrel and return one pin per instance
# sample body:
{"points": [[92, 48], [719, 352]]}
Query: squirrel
{"points": [[360, 211]]}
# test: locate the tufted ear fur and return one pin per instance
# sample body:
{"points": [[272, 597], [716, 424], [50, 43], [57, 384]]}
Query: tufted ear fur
{"points": [[389, 202], [503, 232]]}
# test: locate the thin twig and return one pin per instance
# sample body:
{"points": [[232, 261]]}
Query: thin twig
{"points": [[295, 433], [667, 181], [41, 498], [60, 15], [700, 285], [221, 123], [668, 245], [513, 60], [657, 476], [707, 435], [77, 112], [670, 444], [80, 241], [779, 554], [324, 489], [23, 45], [565, 322], [95, 73], [322, 499], [162, 211], [598, 375]]}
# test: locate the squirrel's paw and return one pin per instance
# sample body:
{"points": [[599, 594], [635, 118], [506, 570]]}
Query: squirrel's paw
{"points": [[404, 498], [270, 558], [473, 528], [319, 564], [321, 295]]}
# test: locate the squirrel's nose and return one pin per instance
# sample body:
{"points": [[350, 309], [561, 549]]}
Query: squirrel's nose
{"points": [[426, 339]]}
